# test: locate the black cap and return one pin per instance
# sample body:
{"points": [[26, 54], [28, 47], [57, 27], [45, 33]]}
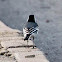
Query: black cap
{"points": [[31, 18]]}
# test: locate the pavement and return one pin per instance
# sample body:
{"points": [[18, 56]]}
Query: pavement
{"points": [[48, 15], [15, 49]]}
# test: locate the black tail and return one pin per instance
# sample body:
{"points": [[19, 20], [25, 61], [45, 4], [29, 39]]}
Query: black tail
{"points": [[27, 37]]}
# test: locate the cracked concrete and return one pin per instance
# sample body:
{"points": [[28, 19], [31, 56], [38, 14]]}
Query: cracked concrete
{"points": [[14, 48]]}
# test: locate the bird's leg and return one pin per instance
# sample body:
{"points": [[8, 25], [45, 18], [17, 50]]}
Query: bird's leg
{"points": [[27, 42], [33, 41]]}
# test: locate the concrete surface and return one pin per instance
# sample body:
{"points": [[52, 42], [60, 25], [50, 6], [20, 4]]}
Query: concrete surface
{"points": [[15, 43], [15, 50], [18, 54], [39, 57], [6, 59]]}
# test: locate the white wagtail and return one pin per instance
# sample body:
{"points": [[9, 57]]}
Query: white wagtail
{"points": [[30, 29]]}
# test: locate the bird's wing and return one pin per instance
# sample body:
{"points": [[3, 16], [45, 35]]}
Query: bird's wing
{"points": [[33, 30]]}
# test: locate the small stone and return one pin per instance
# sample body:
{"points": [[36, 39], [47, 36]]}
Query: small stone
{"points": [[46, 53], [8, 54], [2, 53], [61, 46], [47, 21], [30, 56]]}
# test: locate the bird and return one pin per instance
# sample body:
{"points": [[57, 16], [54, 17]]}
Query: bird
{"points": [[30, 29]]}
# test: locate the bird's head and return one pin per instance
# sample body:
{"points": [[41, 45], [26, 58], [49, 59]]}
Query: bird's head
{"points": [[31, 18]]}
